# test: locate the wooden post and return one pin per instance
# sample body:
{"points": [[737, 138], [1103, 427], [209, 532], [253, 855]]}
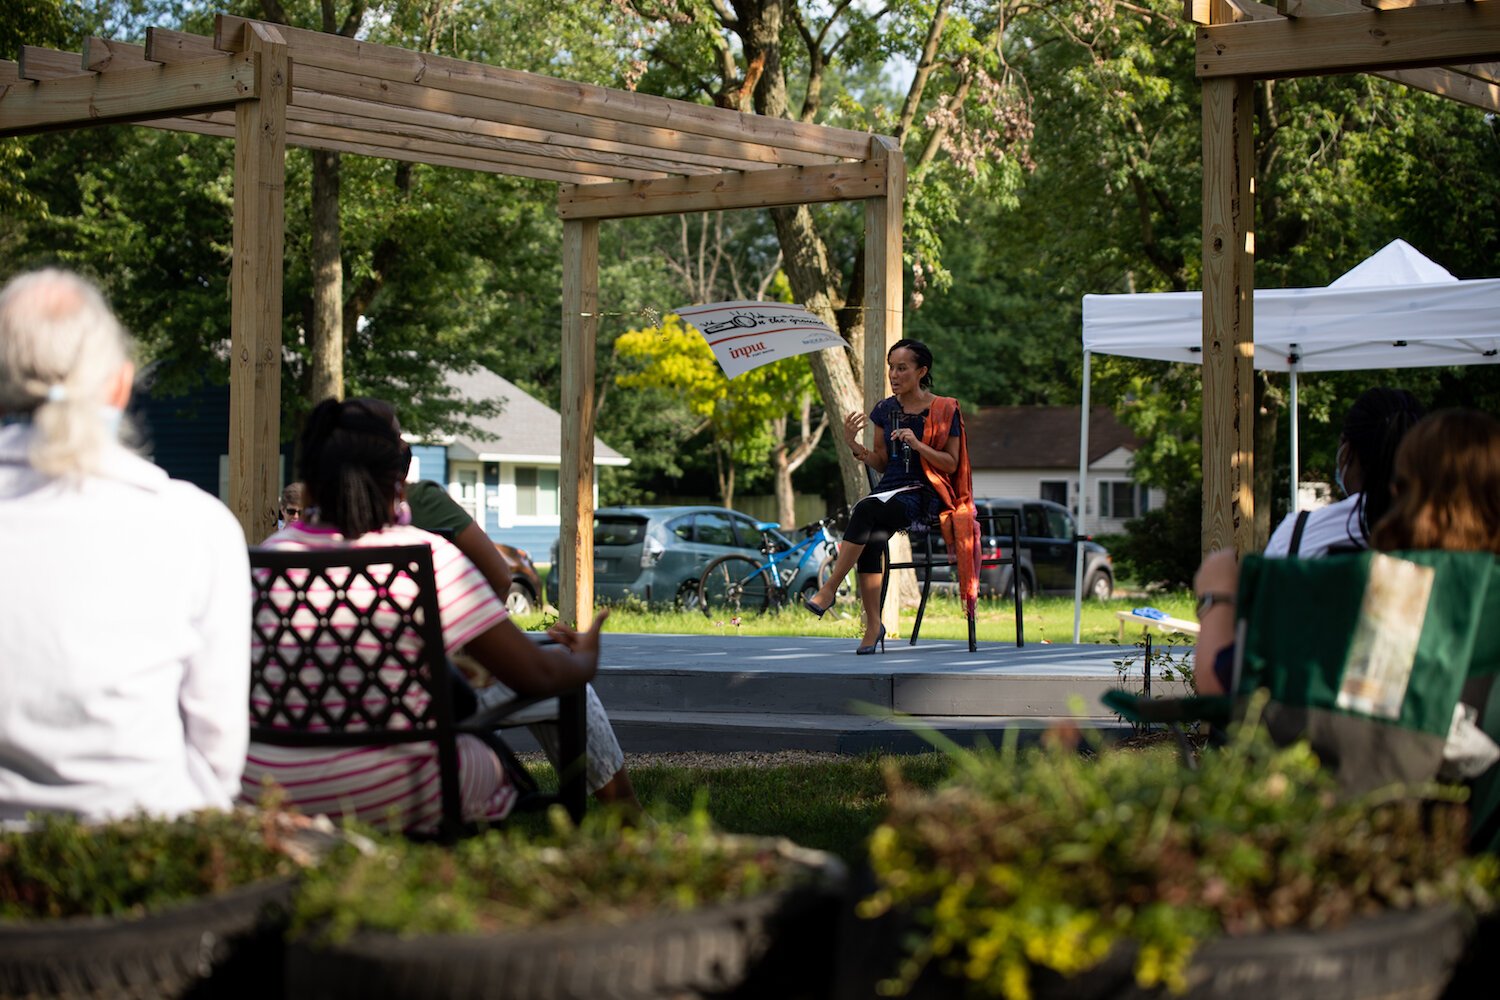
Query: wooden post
{"points": [[883, 309], [255, 289], [1228, 330], [580, 324]]}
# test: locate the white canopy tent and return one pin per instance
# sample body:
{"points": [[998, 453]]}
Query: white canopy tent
{"points": [[1397, 309]]}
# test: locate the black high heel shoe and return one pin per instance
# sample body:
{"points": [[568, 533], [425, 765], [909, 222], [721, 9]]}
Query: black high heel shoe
{"points": [[870, 649], [809, 605]]}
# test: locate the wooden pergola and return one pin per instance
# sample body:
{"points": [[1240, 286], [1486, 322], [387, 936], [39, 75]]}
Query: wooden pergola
{"points": [[1449, 49], [615, 154]]}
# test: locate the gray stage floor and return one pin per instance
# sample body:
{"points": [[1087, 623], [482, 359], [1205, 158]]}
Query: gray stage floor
{"points": [[736, 692]]}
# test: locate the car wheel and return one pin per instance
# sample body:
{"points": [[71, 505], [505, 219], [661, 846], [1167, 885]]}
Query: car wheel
{"points": [[687, 596], [1100, 586], [520, 600], [1023, 585]]}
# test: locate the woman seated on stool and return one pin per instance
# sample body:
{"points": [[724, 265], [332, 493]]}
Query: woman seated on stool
{"points": [[1446, 495], [353, 467], [923, 459]]}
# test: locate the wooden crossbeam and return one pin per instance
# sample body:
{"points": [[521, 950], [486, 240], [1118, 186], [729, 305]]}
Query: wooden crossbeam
{"points": [[37, 63], [655, 120], [483, 120], [103, 55], [308, 135], [9, 72], [148, 92], [1461, 87], [1372, 41], [751, 189]]}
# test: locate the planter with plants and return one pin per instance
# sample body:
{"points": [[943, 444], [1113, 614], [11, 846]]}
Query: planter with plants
{"points": [[668, 909], [1048, 873], [142, 907]]}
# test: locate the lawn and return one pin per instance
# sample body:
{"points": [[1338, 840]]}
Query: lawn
{"points": [[1044, 619]]}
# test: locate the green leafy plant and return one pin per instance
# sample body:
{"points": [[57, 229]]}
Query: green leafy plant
{"points": [[1167, 659], [1048, 859], [61, 867], [602, 872]]}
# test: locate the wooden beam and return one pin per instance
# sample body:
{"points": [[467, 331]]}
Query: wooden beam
{"points": [[127, 95], [751, 189], [555, 134], [1228, 323], [103, 55], [314, 48], [9, 72], [883, 305], [1446, 83], [255, 289], [580, 322], [37, 63], [1346, 43]]}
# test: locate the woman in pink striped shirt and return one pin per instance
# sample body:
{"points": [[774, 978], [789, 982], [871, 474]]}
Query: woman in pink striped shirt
{"points": [[353, 469]]}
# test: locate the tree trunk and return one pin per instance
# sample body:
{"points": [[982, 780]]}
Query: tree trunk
{"points": [[326, 338]]}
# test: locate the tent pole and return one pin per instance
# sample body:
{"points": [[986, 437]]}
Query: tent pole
{"points": [[1083, 500], [1293, 508]]}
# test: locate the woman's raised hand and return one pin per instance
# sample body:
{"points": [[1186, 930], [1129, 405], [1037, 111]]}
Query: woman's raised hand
{"points": [[854, 423]]}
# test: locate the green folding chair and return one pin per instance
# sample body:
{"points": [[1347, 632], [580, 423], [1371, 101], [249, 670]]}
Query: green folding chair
{"points": [[1365, 656]]}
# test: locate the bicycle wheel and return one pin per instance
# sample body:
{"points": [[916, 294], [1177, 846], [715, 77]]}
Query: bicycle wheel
{"points": [[734, 584]]}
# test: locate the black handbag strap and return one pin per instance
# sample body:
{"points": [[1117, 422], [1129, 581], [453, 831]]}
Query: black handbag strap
{"points": [[1297, 533]]}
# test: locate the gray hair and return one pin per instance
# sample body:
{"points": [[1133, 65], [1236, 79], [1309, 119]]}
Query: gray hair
{"points": [[60, 349]]}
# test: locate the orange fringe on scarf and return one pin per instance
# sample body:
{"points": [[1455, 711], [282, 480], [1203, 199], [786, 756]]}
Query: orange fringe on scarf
{"points": [[959, 518]]}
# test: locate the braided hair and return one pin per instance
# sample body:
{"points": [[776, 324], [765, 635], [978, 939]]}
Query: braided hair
{"points": [[1373, 429]]}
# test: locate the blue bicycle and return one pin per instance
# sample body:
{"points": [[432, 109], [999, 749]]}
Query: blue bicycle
{"points": [[734, 584]]}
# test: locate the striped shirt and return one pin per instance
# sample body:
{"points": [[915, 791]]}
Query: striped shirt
{"points": [[396, 785]]}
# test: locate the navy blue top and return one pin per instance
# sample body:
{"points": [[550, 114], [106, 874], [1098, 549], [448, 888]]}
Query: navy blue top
{"points": [[903, 465]]}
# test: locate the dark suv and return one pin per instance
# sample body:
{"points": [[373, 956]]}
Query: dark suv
{"points": [[1048, 556], [657, 554]]}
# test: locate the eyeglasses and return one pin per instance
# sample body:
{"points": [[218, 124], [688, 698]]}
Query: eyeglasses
{"points": [[292, 513]]}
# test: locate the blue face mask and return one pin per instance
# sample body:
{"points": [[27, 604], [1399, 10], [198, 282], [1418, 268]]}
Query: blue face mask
{"points": [[113, 416]]}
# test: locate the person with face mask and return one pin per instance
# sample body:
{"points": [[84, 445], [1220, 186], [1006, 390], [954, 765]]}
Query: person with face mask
{"points": [[124, 660], [1373, 429]]}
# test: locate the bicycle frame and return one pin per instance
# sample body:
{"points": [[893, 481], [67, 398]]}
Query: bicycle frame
{"points": [[818, 541]]}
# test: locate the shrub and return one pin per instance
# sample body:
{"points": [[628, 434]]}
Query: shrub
{"points": [[64, 868], [1163, 545], [1046, 858]]}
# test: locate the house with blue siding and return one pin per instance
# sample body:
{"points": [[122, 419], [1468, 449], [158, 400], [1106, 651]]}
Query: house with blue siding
{"points": [[505, 472]]}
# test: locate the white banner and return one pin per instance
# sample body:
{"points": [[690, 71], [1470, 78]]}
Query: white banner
{"points": [[746, 335]]}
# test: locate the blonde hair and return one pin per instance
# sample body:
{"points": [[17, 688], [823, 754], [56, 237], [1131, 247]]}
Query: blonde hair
{"points": [[1447, 484], [60, 351]]}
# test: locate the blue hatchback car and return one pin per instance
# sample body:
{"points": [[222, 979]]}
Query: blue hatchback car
{"points": [[657, 554]]}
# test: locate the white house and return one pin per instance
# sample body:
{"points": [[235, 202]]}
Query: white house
{"points": [[505, 474], [1032, 452]]}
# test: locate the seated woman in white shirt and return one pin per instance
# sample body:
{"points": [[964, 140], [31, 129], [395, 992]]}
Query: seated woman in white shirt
{"points": [[124, 605], [1373, 429], [353, 470]]}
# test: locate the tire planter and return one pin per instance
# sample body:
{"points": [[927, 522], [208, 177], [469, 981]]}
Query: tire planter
{"points": [[228, 945], [1401, 955], [779, 944]]}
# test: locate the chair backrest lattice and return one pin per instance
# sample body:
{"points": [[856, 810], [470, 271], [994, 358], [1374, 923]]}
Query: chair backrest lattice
{"points": [[347, 650]]}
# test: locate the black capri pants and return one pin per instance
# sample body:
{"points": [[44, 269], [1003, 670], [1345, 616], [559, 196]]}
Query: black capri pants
{"points": [[872, 522]]}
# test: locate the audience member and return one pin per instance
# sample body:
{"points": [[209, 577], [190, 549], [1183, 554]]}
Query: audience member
{"points": [[353, 470], [124, 673], [1446, 485], [290, 508], [1373, 429]]}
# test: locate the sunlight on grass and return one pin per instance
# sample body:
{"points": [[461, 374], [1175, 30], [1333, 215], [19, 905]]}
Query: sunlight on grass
{"points": [[1044, 619]]}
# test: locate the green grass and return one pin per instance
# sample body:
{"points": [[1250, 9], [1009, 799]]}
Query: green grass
{"points": [[1048, 619], [832, 806]]}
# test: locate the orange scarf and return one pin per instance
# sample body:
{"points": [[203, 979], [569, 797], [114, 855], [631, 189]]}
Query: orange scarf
{"points": [[959, 518]]}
